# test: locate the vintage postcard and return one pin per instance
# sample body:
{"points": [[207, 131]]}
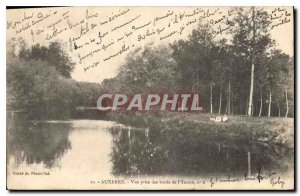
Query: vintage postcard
{"points": [[150, 98]]}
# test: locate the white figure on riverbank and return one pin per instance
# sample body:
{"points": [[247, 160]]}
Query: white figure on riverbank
{"points": [[225, 118], [212, 119], [218, 119]]}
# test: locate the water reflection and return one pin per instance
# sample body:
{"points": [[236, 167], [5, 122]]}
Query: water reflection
{"points": [[134, 153], [107, 148], [190, 153], [38, 143]]}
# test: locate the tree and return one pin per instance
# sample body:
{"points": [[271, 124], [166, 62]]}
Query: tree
{"points": [[277, 78], [37, 88], [252, 37], [14, 47], [289, 85], [147, 69], [261, 76], [222, 69], [53, 54], [195, 57]]}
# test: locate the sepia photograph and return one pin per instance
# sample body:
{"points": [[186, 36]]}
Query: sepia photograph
{"points": [[150, 98]]}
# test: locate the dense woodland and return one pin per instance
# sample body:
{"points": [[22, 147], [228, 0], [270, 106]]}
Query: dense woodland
{"points": [[39, 82], [245, 74]]}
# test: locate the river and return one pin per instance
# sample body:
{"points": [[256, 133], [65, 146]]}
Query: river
{"points": [[78, 151]]}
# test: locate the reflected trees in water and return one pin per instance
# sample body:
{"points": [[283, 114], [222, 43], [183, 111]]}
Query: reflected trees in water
{"points": [[39, 143]]}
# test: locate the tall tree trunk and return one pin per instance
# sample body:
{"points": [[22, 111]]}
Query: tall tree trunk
{"points": [[287, 103], [220, 104], [260, 108], [229, 97], [251, 90], [270, 104], [278, 109], [247, 106], [232, 104], [211, 98], [252, 67], [197, 78]]}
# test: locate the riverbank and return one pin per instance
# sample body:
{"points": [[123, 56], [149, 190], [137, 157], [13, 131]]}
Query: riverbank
{"points": [[271, 130]]}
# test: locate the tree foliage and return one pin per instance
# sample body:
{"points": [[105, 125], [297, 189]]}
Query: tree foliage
{"points": [[39, 85], [53, 54]]}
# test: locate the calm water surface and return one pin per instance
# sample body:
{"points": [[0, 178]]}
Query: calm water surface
{"points": [[105, 148]]}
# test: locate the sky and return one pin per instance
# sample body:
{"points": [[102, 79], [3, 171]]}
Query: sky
{"points": [[104, 36]]}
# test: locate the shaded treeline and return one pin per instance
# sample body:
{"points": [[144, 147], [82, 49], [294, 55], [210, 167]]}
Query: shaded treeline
{"points": [[39, 82], [244, 74]]}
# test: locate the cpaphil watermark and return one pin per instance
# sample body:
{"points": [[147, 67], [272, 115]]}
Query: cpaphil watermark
{"points": [[141, 102]]}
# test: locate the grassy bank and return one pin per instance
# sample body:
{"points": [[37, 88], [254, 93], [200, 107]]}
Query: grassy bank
{"points": [[266, 130]]}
